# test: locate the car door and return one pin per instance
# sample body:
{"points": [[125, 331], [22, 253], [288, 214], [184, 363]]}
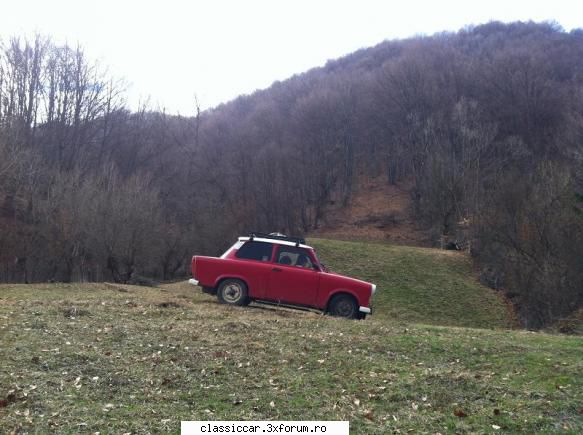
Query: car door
{"points": [[255, 267], [292, 279]]}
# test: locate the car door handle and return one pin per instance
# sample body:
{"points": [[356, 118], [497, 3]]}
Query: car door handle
{"points": [[276, 269]]}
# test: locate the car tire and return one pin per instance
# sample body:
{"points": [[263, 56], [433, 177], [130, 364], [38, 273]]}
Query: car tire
{"points": [[209, 290], [343, 306], [233, 292]]}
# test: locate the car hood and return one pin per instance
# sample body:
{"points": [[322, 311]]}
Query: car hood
{"points": [[336, 277]]}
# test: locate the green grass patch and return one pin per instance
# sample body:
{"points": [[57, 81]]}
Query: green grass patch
{"points": [[89, 358], [418, 284]]}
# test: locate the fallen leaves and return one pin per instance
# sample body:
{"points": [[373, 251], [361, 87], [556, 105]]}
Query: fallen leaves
{"points": [[458, 412], [73, 312], [368, 414], [25, 413], [199, 369]]}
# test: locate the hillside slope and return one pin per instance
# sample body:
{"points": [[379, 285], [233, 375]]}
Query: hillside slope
{"points": [[115, 359], [376, 211], [418, 284]]}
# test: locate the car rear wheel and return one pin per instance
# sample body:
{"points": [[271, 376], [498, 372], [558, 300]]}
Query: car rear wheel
{"points": [[343, 306], [233, 292]]}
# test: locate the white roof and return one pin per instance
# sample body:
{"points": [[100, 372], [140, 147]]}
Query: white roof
{"points": [[277, 242]]}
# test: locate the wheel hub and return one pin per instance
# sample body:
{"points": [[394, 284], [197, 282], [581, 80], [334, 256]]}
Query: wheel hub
{"points": [[232, 293], [344, 309]]}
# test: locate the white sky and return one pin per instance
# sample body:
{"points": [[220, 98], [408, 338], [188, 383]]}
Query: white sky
{"points": [[169, 51]]}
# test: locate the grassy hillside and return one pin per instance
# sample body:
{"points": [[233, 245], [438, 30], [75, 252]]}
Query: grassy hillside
{"points": [[418, 284], [87, 358]]}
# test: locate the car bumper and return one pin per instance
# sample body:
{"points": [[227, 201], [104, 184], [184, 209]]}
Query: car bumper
{"points": [[193, 281], [368, 310]]}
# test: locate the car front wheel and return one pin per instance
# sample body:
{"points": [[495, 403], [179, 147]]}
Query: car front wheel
{"points": [[343, 306], [233, 292]]}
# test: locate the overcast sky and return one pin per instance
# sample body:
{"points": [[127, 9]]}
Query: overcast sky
{"points": [[172, 50]]}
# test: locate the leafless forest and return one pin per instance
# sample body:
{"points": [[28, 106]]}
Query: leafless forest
{"points": [[486, 124]]}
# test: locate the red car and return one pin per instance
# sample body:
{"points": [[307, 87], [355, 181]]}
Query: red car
{"points": [[277, 269]]}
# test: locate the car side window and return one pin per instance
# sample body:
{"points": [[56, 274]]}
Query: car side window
{"points": [[292, 256], [259, 251]]}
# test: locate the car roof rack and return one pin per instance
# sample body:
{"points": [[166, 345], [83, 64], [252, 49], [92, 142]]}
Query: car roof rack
{"points": [[278, 236]]}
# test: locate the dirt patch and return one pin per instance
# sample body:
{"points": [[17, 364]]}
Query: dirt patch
{"points": [[377, 211]]}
